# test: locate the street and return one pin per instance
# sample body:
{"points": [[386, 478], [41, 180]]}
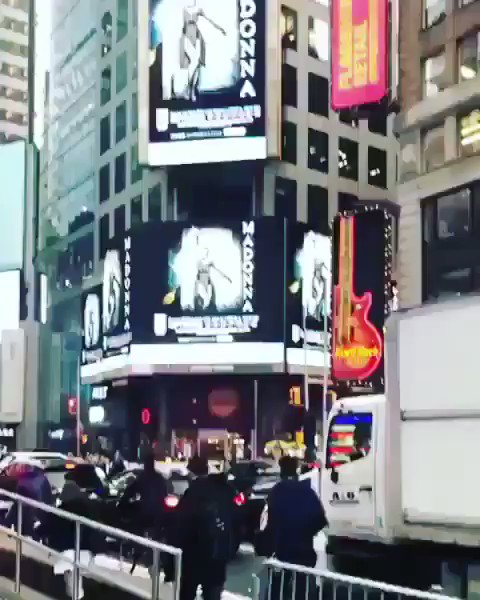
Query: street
{"points": [[241, 571]]}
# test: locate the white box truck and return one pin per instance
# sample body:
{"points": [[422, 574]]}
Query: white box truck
{"points": [[401, 486]]}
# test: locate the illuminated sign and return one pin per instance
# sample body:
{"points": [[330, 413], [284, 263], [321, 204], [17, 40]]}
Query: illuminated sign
{"points": [[360, 52], [295, 396], [361, 297], [204, 80], [72, 406], [146, 416]]}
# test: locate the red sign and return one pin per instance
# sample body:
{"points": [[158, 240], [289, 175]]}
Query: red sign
{"points": [[72, 406], [222, 403], [146, 416], [357, 344], [360, 52]]}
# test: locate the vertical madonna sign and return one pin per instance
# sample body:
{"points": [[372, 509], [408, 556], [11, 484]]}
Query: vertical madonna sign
{"points": [[362, 246]]}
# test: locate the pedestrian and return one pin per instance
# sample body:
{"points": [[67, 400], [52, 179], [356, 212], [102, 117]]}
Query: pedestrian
{"points": [[204, 531], [118, 465], [294, 516]]}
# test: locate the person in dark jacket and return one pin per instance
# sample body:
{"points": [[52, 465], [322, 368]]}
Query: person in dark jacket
{"points": [[152, 489], [204, 531], [295, 517]]}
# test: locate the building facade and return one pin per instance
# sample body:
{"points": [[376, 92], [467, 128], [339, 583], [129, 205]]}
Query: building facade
{"points": [[439, 129], [98, 190], [13, 69]]}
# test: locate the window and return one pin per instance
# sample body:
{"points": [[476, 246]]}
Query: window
{"points": [[347, 117], [465, 2], [122, 19], [469, 133], [318, 39], [377, 167], [119, 220], [317, 208], [120, 173], [107, 33], [104, 183], [289, 85], [289, 28], [377, 121], [433, 12], [468, 57], [14, 48], [454, 215], [155, 203], [135, 168], [433, 148], [349, 438], [318, 96], [348, 159], [136, 217], [134, 111], [121, 72], [454, 282], [286, 199], [318, 150], [408, 156], [105, 134], [289, 153], [121, 122], [104, 235], [434, 75], [106, 89]]}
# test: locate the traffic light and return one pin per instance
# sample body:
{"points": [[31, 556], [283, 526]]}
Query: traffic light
{"points": [[295, 394], [72, 406]]}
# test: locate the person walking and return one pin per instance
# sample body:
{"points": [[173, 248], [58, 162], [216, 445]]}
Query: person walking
{"points": [[204, 532], [293, 517]]}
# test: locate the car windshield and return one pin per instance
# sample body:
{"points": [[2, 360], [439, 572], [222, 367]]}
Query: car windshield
{"points": [[85, 477]]}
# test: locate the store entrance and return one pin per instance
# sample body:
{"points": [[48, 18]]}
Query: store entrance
{"points": [[216, 445]]}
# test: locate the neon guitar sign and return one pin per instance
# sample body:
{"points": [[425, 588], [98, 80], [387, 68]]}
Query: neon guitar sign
{"points": [[357, 344]]}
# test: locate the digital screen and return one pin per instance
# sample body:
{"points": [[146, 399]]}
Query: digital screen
{"points": [[349, 435], [360, 52], [206, 80]]}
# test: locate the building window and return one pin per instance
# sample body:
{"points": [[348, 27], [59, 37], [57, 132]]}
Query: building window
{"points": [[377, 167], [120, 173], [106, 89], [465, 2], [289, 85], [377, 121], [155, 203], [105, 134], [289, 25], [107, 33], [121, 122], [318, 208], [134, 111], [122, 76], [468, 57], [318, 39], [104, 235], [347, 117], [286, 199], [318, 95], [289, 153], [348, 158], [122, 19], [469, 133], [318, 150], [135, 168], [433, 150], [104, 183], [119, 220], [136, 217], [434, 75], [454, 215], [434, 12], [408, 155]]}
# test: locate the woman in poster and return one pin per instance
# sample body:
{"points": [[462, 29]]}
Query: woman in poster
{"points": [[192, 52]]}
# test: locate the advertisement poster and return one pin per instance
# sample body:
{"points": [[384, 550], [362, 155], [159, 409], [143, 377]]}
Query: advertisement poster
{"points": [[212, 283], [361, 297], [206, 79], [92, 338], [360, 52]]}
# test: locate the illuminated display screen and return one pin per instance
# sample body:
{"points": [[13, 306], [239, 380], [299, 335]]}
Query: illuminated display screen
{"points": [[349, 438]]}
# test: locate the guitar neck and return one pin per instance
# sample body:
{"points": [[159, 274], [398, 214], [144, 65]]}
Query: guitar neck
{"points": [[345, 279]]}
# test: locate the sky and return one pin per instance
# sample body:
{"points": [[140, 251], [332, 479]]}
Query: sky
{"points": [[42, 64]]}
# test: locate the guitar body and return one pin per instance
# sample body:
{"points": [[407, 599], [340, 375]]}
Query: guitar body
{"points": [[358, 357]]}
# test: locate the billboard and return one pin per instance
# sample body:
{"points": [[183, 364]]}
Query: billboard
{"points": [[203, 81], [361, 297], [360, 52], [92, 337], [12, 204]]}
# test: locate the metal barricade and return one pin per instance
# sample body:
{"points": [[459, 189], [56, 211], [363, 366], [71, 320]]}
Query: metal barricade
{"points": [[38, 550], [283, 581]]}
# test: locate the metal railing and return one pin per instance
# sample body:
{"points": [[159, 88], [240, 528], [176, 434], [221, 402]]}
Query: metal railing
{"points": [[283, 581], [90, 571]]}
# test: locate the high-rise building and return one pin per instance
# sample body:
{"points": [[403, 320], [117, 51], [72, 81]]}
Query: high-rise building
{"points": [[97, 190], [13, 69], [439, 134]]}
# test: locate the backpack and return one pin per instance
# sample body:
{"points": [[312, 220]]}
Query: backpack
{"points": [[214, 531]]}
